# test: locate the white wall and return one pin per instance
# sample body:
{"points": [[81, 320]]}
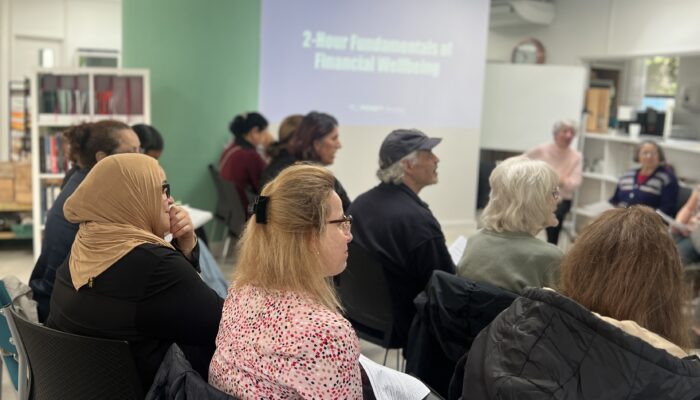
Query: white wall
{"points": [[65, 25], [597, 28], [452, 199]]}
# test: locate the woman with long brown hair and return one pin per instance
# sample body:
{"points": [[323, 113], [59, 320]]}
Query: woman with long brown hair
{"points": [[614, 330]]}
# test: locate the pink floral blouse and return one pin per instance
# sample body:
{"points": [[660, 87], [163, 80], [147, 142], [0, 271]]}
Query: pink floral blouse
{"points": [[283, 345]]}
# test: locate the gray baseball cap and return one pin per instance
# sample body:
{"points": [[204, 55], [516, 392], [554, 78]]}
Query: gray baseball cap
{"points": [[402, 142]]}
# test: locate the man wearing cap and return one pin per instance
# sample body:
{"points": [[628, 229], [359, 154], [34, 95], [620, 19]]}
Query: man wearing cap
{"points": [[397, 227]]}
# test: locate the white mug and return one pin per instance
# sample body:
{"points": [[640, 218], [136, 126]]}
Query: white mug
{"points": [[634, 130]]}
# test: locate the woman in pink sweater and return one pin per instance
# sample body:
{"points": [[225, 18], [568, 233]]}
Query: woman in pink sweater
{"points": [[567, 163]]}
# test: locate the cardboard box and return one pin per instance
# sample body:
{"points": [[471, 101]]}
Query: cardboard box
{"points": [[598, 107], [7, 190]]}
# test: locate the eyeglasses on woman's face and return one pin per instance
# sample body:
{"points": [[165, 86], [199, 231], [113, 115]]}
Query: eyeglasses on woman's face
{"points": [[345, 223], [166, 189], [556, 194]]}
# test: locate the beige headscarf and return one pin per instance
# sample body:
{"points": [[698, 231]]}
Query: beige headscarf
{"points": [[118, 207]]}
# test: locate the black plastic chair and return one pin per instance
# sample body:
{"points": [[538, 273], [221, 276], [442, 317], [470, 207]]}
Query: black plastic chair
{"points": [[364, 293], [222, 208], [684, 194], [229, 208], [67, 366]]}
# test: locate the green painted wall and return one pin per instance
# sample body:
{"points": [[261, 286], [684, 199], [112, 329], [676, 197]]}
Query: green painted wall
{"points": [[204, 62]]}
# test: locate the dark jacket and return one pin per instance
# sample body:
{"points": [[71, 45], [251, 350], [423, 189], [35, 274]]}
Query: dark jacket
{"points": [[394, 225], [152, 297], [58, 239], [546, 346], [282, 161], [177, 380], [450, 313]]}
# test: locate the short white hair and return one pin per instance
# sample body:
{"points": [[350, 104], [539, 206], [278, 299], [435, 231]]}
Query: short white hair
{"points": [[520, 198], [395, 172], [564, 123]]}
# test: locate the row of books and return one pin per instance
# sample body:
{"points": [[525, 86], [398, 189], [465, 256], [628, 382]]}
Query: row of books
{"points": [[49, 194], [52, 155]]}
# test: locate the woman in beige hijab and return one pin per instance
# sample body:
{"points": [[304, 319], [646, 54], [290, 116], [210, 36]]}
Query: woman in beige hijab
{"points": [[122, 279]]}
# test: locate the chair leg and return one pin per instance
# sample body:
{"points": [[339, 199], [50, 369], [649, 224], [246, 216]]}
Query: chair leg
{"points": [[386, 353], [227, 243]]}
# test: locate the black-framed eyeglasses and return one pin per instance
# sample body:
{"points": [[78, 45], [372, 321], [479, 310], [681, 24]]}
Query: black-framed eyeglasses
{"points": [[345, 223], [166, 189]]}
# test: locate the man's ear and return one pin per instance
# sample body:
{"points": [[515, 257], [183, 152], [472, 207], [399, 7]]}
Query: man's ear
{"points": [[407, 167], [100, 155]]}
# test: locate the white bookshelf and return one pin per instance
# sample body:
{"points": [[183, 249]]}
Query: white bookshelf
{"points": [[70, 96], [614, 153]]}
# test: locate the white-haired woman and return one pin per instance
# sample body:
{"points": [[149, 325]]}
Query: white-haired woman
{"points": [[567, 162], [506, 253]]}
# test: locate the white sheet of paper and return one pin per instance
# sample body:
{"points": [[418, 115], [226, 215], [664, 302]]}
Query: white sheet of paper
{"points": [[199, 217], [672, 222], [457, 249], [389, 384]]}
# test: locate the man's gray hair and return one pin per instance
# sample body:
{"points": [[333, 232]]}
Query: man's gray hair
{"points": [[394, 173]]}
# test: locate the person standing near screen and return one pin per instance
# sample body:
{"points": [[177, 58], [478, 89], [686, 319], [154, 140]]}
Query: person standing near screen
{"points": [[568, 165]]}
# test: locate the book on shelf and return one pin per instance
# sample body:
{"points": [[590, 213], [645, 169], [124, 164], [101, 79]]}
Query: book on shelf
{"points": [[49, 193], [53, 159]]}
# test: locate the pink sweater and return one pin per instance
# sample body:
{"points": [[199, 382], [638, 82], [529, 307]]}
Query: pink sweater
{"points": [[283, 345], [566, 163]]}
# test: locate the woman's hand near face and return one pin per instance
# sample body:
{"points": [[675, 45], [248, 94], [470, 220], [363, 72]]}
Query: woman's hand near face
{"points": [[182, 230]]}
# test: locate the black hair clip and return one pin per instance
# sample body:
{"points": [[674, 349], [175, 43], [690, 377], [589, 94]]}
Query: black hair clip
{"points": [[259, 208]]}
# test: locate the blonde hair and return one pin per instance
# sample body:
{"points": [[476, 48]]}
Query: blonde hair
{"points": [[624, 265], [282, 254], [520, 198]]}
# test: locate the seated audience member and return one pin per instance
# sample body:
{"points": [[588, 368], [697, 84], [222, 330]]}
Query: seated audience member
{"points": [[316, 140], [240, 162], [281, 333], [653, 184], [89, 143], [151, 140], [397, 227], [688, 215], [615, 330], [506, 253], [567, 164], [278, 149], [122, 280]]}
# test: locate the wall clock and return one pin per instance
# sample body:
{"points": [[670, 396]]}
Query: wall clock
{"points": [[528, 51]]}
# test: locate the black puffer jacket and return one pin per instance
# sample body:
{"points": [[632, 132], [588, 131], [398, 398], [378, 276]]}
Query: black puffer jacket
{"points": [[546, 346]]}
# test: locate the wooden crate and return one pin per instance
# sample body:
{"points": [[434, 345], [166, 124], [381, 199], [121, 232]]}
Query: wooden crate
{"points": [[598, 106]]}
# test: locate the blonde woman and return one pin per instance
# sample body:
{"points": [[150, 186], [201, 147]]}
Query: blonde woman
{"points": [[506, 253], [281, 334]]}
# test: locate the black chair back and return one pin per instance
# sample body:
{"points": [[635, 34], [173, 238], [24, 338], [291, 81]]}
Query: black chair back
{"points": [[68, 366], [229, 207], [364, 293], [684, 194], [222, 208], [237, 215]]}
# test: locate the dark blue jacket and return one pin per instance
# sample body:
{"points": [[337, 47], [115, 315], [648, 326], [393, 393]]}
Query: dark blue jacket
{"points": [[399, 230], [59, 235], [660, 191]]}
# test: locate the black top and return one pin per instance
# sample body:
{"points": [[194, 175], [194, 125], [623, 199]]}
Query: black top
{"points": [[152, 297], [391, 222], [282, 161], [58, 239], [546, 346]]}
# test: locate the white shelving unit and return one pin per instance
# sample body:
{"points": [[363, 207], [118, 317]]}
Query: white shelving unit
{"points": [[608, 155], [65, 97]]}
